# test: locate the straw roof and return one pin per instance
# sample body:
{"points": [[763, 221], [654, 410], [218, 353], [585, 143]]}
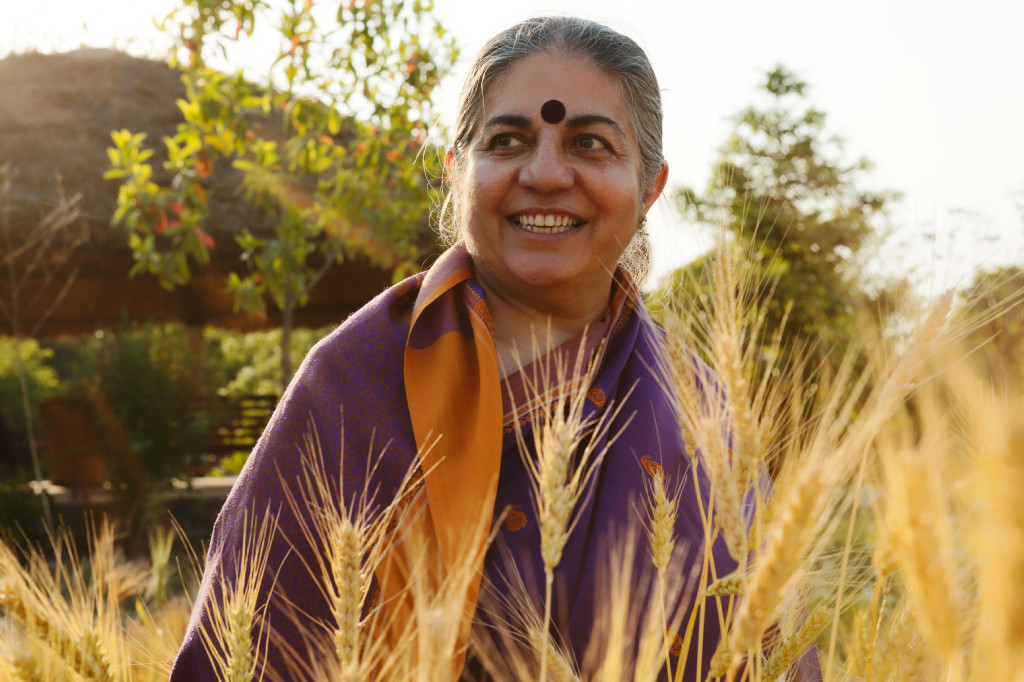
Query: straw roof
{"points": [[56, 115]]}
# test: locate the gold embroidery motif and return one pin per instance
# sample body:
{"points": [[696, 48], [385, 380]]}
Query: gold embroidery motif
{"points": [[596, 396], [651, 467], [479, 306], [627, 311], [676, 647], [520, 421], [515, 520]]}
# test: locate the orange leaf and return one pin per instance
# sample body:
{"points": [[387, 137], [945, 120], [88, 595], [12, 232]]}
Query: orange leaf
{"points": [[161, 223], [203, 165], [204, 237], [177, 207]]}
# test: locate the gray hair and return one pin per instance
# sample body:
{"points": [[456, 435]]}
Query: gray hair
{"points": [[615, 54]]}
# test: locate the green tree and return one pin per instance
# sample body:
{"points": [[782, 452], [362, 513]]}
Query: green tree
{"points": [[330, 144], [782, 190]]}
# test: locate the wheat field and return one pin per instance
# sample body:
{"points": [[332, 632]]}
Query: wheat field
{"points": [[892, 537]]}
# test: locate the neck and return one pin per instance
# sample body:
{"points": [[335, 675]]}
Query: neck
{"points": [[525, 332]]}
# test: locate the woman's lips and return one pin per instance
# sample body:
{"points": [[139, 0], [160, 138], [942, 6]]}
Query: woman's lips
{"points": [[546, 223]]}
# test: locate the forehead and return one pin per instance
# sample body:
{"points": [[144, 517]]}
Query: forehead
{"points": [[582, 87]]}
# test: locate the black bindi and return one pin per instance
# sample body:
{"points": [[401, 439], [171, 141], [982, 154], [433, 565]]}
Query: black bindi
{"points": [[553, 111]]}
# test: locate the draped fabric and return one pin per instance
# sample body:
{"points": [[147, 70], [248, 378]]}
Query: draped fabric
{"points": [[411, 382]]}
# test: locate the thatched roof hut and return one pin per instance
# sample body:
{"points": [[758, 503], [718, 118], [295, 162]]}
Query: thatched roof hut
{"points": [[56, 115]]}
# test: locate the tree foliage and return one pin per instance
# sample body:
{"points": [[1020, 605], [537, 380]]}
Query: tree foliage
{"points": [[994, 304], [781, 188], [329, 143]]}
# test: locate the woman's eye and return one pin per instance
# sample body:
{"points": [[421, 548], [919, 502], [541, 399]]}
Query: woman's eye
{"points": [[507, 141], [590, 142]]}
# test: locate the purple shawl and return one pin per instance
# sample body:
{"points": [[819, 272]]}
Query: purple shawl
{"points": [[360, 368]]}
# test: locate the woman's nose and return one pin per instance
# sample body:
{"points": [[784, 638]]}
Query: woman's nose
{"points": [[547, 169]]}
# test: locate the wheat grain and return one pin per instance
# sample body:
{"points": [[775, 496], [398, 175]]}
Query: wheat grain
{"points": [[564, 458], [660, 529], [559, 667], [791, 648], [346, 560], [722, 661], [733, 583], [661, 525], [357, 532]]}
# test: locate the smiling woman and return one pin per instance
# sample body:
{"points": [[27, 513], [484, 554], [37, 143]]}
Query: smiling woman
{"points": [[518, 379], [551, 203]]}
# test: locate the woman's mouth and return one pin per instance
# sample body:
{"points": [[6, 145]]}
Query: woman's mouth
{"points": [[546, 223]]}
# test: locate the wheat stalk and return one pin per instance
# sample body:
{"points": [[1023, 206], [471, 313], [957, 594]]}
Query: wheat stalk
{"points": [[629, 638], [355, 530], [789, 537], [235, 637], [922, 545], [161, 543], [511, 646], [995, 438], [76, 618], [558, 483]]}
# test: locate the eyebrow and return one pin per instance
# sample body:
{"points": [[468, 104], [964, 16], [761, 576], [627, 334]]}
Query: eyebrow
{"points": [[521, 122], [511, 120], [593, 119]]}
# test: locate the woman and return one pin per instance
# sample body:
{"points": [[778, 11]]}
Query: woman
{"points": [[556, 161]]}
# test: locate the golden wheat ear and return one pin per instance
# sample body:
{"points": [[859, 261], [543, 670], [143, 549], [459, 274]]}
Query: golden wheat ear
{"points": [[995, 439], [235, 638], [70, 608], [633, 634], [566, 453], [355, 530]]}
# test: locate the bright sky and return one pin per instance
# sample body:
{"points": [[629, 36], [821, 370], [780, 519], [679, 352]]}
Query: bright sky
{"points": [[931, 91]]}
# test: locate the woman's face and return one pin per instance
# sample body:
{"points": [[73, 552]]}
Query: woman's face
{"points": [[550, 203]]}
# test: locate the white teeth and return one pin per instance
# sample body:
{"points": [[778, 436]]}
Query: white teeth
{"points": [[546, 224]]}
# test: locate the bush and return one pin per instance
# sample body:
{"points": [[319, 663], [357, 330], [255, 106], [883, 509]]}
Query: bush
{"points": [[158, 385], [43, 382]]}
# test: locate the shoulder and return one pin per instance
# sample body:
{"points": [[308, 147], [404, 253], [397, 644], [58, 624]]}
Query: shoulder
{"points": [[375, 333]]}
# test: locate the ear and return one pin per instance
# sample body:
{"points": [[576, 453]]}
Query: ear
{"points": [[656, 188], [449, 165]]}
